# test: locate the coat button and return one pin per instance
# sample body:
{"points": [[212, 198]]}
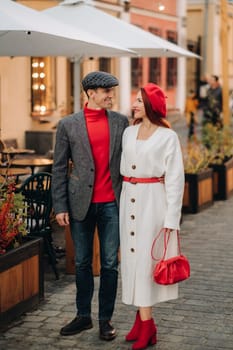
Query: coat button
{"points": [[133, 166], [132, 233], [132, 200], [132, 217], [132, 250], [90, 186], [92, 169]]}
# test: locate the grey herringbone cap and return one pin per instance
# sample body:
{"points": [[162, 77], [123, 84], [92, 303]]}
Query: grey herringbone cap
{"points": [[99, 79]]}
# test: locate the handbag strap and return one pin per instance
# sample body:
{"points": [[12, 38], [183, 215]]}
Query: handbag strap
{"points": [[166, 239]]}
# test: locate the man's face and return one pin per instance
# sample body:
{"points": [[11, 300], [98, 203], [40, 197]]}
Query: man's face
{"points": [[101, 98]]}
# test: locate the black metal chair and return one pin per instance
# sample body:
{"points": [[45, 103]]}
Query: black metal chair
{"points": [[37, 191], [4, 159]]}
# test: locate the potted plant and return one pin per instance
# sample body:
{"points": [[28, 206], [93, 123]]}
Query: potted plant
{"points": [[198, 192], [21, 272], [220, 142]]}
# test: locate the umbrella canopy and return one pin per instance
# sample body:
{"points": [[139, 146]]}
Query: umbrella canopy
{"points": [[82, 14], [26, 32]]}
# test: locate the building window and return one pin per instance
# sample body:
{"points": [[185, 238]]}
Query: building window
{"points": [[43, 101], [155, 70], [105, 64], [171, 62], [155, 62], [136, 72]]}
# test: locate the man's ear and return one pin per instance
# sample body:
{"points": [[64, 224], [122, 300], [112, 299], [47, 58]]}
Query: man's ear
{"points": [[90, 92]]}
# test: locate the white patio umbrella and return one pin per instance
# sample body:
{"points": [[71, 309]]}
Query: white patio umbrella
{"points": [[27, 32], [82, 14]]}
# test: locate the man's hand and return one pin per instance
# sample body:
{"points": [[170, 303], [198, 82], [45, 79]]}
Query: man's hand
{"points": [[63, 219]]}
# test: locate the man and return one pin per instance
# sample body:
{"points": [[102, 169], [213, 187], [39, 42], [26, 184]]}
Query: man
{"points": [[213, 107], [89, 196]]}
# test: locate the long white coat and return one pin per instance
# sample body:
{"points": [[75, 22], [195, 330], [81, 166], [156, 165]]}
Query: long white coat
{"points": [[146, 208]]}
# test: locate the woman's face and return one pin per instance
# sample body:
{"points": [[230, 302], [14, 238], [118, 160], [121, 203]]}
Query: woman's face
{"points": [[138, 107]]}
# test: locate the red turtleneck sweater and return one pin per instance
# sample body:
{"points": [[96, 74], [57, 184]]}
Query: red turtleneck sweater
{"points": [[98, 132]]}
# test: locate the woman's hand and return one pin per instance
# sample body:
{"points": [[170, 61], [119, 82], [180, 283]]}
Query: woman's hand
{"points": [[162, 179]]}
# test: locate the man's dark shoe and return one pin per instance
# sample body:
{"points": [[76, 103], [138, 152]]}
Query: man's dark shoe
{"points": [[76, 326], [107, 331]]}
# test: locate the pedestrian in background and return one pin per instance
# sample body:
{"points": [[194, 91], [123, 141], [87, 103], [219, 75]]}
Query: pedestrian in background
{"points": [[191, 107], [89, 196], [213, 107], [202, 92], [151, 152]]}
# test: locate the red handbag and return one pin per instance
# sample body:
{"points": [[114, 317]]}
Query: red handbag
{"points": [[172, 270]]}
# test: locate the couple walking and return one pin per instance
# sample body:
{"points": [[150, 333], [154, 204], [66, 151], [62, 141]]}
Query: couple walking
{"points": [[105, 150]]}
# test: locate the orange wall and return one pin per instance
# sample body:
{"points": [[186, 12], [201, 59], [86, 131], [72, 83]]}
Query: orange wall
{"points": [[152, 5], [38, 4]]}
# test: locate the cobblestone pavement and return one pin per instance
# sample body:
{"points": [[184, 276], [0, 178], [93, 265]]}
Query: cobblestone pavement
{"points": [[200, 319]]}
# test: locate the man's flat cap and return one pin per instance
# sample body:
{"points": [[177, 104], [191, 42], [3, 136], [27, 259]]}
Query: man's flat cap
{"points": [[99, 79]]}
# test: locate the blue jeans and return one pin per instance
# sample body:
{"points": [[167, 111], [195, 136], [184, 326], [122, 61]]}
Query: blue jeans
{"points": [[106, 217]]}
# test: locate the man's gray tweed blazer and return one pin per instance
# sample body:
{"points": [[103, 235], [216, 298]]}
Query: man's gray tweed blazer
{"points": [[73, 192]]}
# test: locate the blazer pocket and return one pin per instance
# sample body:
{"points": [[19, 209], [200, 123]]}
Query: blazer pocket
{"points": [[73, 184]]}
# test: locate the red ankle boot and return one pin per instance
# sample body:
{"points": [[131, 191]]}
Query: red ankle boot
{"points": [[134, 332], [147, 335]]}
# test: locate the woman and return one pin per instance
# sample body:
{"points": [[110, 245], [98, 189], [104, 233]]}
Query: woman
{"points": [[151, 199]]}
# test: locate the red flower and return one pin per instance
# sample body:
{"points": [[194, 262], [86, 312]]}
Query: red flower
{"points": [[12, 216]]}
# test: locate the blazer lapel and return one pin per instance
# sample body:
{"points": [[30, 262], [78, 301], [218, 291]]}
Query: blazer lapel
{"points": [[82, 132], [113, 132]]}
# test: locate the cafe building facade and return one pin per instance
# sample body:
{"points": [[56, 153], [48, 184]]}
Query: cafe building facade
{"points": [[35, 92]]}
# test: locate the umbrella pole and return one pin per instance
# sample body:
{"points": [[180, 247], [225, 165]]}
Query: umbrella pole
{"points": [[225, 71], [77, 83], [125, 70], [125, 86]]}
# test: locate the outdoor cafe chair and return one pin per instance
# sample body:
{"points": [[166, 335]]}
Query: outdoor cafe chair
{"points": [[37, 192]]}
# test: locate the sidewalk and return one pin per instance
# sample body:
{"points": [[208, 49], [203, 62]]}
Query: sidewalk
{"points": [[201, 319]]}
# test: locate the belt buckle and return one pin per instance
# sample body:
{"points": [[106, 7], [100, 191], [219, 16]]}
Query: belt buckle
{"points": [[133, 182]]}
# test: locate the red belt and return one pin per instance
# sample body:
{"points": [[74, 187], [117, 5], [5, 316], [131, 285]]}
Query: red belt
{"points": [[145, 180]]}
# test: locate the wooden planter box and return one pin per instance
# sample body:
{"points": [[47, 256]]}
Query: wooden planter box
{"points": [[198, 192], [21, 280], [223, 180]]}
